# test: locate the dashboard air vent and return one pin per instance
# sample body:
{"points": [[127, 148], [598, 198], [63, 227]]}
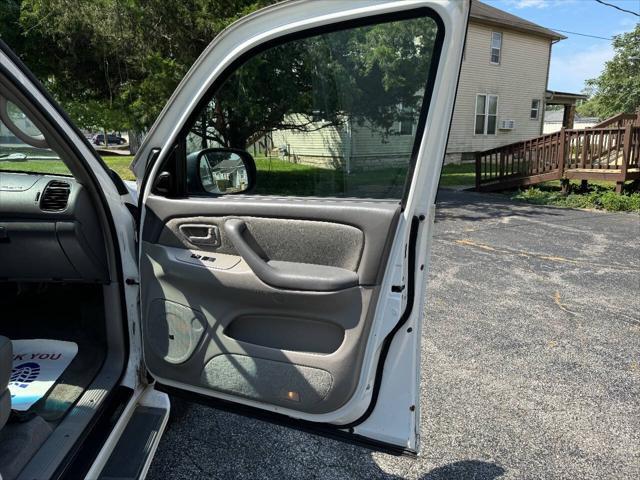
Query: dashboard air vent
{"points": [[55, 196]]}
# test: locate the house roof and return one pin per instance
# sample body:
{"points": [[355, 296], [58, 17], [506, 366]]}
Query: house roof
{"points": [[551, 95], [483, 13], [556, 116]]}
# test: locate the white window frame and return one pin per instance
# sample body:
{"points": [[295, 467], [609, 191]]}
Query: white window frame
{"points": [[536, 109], [498, 48], [485, 113]]}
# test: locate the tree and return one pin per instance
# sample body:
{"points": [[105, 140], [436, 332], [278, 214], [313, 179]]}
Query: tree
{"points": [[617, 89], [114, 63], [373, 74]]}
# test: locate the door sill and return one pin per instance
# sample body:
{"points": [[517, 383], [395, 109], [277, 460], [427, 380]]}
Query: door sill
{"points": [[132, 455], [323, 429]]}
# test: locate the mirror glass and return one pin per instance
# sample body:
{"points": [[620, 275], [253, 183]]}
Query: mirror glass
{"points": [[22, 122], [222, 172]]}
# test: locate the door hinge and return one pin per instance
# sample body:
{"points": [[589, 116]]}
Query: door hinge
{"points": [[131, 281], [397, 288]]}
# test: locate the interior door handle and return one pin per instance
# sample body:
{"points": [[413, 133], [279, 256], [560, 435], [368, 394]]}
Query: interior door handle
{"points": [[201, 234], [288, 275]]}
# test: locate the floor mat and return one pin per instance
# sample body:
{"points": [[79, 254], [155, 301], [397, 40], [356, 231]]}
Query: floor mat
{"points": [[18, 443], [37, 365], [73, 313]]}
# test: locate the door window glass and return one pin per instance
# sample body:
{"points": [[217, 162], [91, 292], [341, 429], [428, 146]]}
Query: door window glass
{"points": [[23, 147], [335, 114]]}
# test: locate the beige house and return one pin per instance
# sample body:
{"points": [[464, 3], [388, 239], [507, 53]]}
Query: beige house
{"points": [[501, 99], [503, 82]]}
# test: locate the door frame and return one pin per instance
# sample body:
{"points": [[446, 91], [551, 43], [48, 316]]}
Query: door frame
{"points": [[208, 72]]}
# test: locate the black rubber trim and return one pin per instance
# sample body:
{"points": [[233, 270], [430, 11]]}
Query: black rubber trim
{"points": [[323, 429], [386, 345], [86, 449], [154, 153], [118, 182]]}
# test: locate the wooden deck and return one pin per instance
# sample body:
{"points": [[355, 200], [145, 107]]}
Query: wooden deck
{"points": [[610, 151]]}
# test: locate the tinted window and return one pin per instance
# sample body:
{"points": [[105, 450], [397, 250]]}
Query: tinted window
{"points": [[334, 114]]}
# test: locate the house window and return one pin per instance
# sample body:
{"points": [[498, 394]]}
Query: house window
{"points": [[535, 109], [406, 127], [406, 120], [496, 47], [486, 114]]}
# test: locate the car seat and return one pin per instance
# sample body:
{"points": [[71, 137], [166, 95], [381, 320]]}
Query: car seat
{"points": [[6, 363]]}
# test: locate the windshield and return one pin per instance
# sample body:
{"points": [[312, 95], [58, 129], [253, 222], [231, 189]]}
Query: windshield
{"points": [[16, 155]]}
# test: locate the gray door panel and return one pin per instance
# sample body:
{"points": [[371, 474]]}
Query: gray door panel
{"points": [[301, 242], [212, 323]]}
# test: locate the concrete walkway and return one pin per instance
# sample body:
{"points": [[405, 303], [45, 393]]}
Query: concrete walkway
{"points": [[531, 363]]}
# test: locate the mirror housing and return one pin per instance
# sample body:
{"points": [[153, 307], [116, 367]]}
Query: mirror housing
{"points": [[163, 183], [221, 171]]}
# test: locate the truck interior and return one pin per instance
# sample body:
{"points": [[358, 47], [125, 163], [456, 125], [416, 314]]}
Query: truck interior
{"points": [[58, 286]]}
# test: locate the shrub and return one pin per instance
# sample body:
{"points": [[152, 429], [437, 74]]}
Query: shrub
{"points": [[598, 197]]}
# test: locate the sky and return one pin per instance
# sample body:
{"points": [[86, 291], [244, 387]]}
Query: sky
{"points": [[576, 58]]}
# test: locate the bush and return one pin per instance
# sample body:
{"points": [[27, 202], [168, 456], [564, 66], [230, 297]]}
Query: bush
{"points": [[598, 197], [620, 203]]}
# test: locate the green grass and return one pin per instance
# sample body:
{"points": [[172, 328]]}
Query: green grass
{"points": [[598, 196], [284, 178], [57, 167], [463, 174], [278, 177], [281, 177], [120, 165]]}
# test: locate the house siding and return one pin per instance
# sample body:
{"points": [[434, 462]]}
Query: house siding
{"points": [[333, 146], [520, 77]]}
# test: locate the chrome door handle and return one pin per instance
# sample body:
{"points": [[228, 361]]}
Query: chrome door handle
{"points": [[201, 234]]}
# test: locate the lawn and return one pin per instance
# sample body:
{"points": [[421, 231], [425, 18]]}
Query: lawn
{"points": [[599, 196], [280, 177], [458, 175], [56, 167]]}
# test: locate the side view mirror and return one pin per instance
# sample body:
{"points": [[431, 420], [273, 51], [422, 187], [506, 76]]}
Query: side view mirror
{"points": [[163, 183], [11, 115], [223, 171]]}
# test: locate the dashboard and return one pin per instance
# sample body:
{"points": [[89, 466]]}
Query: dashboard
{"points": [[49, 230]]}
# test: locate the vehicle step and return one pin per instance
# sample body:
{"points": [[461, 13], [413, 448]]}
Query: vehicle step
{"points": [[130, 455]]}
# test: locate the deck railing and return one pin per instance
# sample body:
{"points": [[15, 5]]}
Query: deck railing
{"points": [[620, 120], [595, 148], [588, 153], [529, 157]]}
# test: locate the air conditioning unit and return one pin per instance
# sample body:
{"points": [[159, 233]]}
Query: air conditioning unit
{"points": [[507, 125]]}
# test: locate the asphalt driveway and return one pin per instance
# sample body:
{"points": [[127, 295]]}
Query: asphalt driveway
{"points": [[531, 362]]}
